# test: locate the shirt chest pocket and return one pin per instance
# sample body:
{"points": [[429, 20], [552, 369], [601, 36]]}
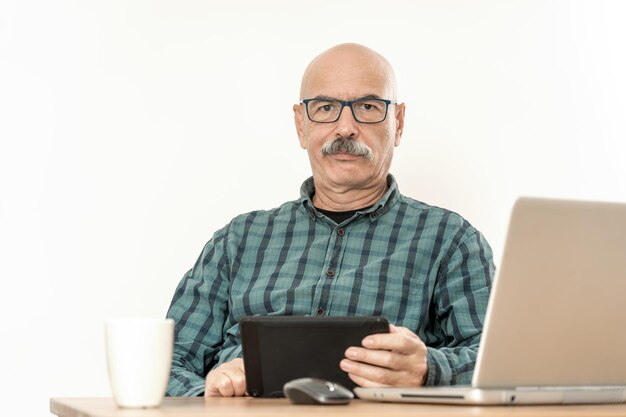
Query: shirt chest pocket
{"points": [[379, 289]]}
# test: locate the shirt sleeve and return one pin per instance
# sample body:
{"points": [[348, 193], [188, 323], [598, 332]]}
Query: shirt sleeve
{"points": [[460, 304], [199, 309]]}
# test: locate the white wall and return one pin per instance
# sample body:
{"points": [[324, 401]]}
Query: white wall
{"points": [[130, 131]]}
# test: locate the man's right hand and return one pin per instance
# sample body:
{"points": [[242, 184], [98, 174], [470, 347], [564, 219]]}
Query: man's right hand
{"points": [[227, 380]]}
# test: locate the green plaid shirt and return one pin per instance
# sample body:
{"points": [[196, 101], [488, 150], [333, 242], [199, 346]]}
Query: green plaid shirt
{"points": [[422, 267]]}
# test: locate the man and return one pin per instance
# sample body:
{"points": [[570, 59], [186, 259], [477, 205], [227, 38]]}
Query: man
{"points": [[350, 245]]}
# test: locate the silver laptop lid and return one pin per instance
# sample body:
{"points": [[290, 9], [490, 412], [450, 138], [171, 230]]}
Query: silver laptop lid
{"points": [[557, 314]]}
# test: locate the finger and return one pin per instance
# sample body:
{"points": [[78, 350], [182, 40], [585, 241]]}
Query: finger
{"points": [[398, 341], [226, 380], [239, 377], [238, 381], [233, 382], [375, 374], [225, 387], [218, 385], [210, 389], [363, 382], [381, 358], [405, 331], [238, 363]]}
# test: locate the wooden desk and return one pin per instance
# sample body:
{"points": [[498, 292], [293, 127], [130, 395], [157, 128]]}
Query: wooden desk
{"points": [[246, 407]]}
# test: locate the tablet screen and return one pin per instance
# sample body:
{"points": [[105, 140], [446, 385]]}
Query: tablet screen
{"points": [[277, 349]]}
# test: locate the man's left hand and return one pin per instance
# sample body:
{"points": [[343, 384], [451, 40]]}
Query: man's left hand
{"points": [[397, 358]]}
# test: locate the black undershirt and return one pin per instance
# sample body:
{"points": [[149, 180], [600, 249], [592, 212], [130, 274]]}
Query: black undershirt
{"points": [[340, 216]]}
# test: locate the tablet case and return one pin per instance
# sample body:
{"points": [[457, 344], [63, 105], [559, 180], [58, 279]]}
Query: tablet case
{"points": [[277, 349]]}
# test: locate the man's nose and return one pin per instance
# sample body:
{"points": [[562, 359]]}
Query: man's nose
{"points": [[346, 125]]}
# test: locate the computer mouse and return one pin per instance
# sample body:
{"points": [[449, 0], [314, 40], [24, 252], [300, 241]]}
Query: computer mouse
{"points": [[316, 391]]}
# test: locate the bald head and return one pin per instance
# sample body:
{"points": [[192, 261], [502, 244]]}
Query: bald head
{"points": [[347, 178], [334, 71]]}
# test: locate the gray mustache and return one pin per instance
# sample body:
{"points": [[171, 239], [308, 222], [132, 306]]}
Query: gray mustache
{"points": [[349, 146]]}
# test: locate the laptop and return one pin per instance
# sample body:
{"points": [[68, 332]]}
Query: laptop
{"points": [[555, 329]]}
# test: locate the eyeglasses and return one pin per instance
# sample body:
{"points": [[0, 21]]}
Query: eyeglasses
{"points": [[364, 110]]}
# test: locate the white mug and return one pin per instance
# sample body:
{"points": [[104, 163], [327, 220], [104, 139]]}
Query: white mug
{"points": [[139, 358]]}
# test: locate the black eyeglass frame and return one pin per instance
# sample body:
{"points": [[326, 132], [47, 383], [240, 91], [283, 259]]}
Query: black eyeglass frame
{"points": [[349, 105]]}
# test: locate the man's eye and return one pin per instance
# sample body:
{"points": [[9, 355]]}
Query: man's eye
{"points": [[324, 107], [368, 106]]}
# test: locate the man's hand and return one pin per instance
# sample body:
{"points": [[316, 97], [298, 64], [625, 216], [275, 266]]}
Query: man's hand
{"points": [[227, 380], [397, 358]]}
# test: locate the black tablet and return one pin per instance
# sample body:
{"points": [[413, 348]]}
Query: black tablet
{"points": [[277, 349]]}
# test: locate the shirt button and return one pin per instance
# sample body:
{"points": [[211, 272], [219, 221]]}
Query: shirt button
{"points": [[341, 232], [320, 311], [330, 273]]}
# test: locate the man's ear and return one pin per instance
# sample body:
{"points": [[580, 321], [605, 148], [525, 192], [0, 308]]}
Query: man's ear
{"points": [[298, 118], [399, 122]]}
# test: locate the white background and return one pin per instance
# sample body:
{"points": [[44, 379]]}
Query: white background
{"points": [[131, 130]]}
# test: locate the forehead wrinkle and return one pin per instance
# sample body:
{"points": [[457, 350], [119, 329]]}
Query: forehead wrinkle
{"points": [[349, 98], [345, 87]]}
